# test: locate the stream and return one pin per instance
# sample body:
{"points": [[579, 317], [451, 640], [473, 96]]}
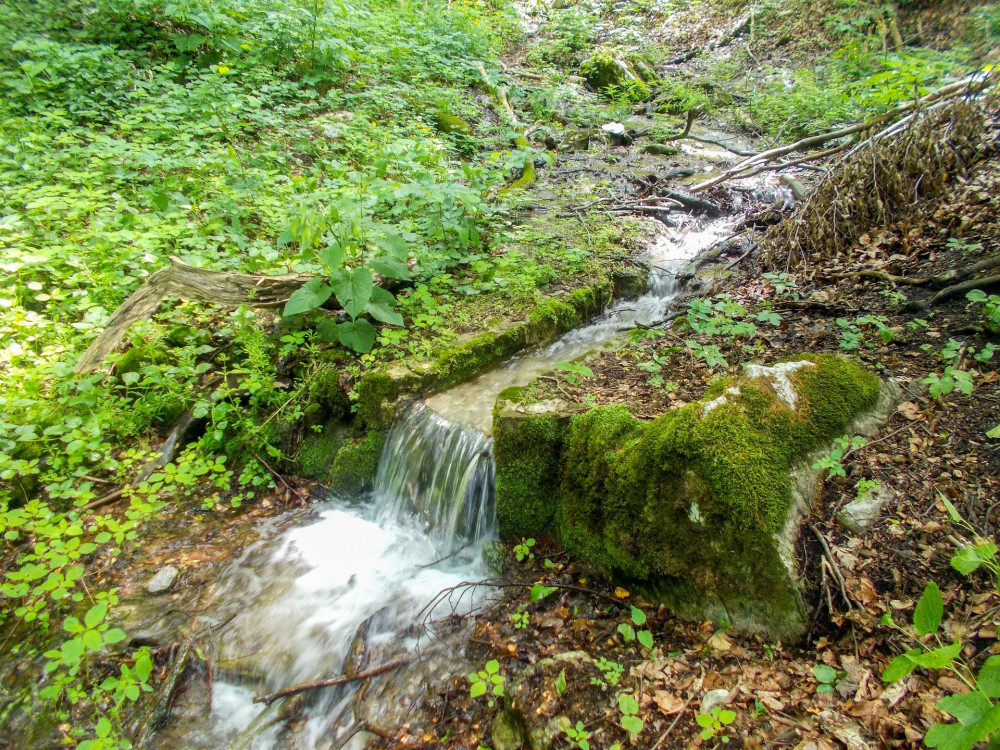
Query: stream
{"points": [[353, 580]]}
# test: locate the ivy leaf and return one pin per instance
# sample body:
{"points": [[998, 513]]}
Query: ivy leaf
{"points": [[382, 307], [353, 289], [358, 335], [930, 608], [311, 295]]}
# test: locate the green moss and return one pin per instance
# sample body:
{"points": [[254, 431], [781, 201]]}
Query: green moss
{"points": [[131, 361], [527, 453], [326, 393], [528, 177], [607, 70], [356, 463], [550, 318], [317, 451], [472, 357], [450, 124], [376, 394], [690, 504]]}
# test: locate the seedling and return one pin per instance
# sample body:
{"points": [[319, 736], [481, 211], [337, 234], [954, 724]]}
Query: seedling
{"points": [[713, 724], [574, 371], [630, 634], [523, 551], [630, 720], [827, 677], [487, 679]]}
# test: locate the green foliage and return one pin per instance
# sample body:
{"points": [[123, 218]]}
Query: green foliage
{"points": [[577, 735], [629, 633], [990, 310], [630, 720], [953, 378], [714, 724], [523, 551], [574, 371], [488, 679], [611, 672], [520, 620], [842, 447], [976, 712], [827, 678]]}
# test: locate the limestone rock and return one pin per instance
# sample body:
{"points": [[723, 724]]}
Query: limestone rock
{"points": [[163, 580], [861, 513]]}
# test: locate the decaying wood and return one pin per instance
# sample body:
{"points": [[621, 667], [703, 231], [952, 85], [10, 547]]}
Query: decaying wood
{"points": [[190, 283], [267, 700]]}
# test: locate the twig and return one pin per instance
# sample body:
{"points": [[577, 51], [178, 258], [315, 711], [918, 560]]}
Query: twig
{"points": [[446, 557], [680, 713], [835, 571]]}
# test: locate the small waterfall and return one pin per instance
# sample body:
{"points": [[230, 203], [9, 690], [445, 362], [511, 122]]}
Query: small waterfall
{"points": [[440, 470]]}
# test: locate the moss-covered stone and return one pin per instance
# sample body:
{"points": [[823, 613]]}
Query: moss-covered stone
{"points": [[449, 124], [606, 69], [326, 393], [318, 450], [376, 393], [691, 506], [356, 463]]}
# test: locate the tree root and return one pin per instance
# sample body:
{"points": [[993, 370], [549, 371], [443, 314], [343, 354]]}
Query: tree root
{"points": [[988, 282]]}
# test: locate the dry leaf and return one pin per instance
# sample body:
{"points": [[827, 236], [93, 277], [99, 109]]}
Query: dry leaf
{"points": [[909, 410], [720, 642], [668, 703]]}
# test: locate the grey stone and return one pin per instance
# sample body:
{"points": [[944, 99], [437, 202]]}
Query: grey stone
{"points": [[712, 699], [858, 515], [163, 580]]}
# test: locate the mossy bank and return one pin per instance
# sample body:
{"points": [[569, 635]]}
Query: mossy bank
{"points": [[691, 507]]}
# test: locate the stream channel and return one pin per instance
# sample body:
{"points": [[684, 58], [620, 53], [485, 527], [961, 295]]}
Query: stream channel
{"points": [[295, 606]]}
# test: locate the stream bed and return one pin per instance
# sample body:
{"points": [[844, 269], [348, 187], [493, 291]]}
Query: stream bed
{"points": [[349, 587]]}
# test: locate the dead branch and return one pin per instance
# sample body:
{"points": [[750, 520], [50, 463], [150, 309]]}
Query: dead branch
{"points": [[961, 88], [267, 700]]}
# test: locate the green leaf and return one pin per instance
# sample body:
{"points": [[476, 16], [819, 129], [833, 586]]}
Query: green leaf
{"points": [[492, 666], [989, 677], [901, 666], [645, 638], [95, 615], [638, 616], [561, 683], [72, 650], [727, 717], [966, 560], [994, 433], [391, 268], [143, 665], [939, 658], [132, 692], [358, 335], [825, 673], [92, 640], [353, 289], [332, 256], [382, 307], [968, 708], [953, 513], [538, 592], [825, 688], [478, 688], [72, 625], [628, 705], [115, 635], [704, 720], [627, 631], [706, 734], [632, 724], [930, 608], [394, 244], [310, 296]]}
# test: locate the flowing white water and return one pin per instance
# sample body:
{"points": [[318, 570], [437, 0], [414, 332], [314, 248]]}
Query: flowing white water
{"points": [[300, 598]]}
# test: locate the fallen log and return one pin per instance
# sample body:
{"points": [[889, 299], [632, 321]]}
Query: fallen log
{"points": [[190, 283]]}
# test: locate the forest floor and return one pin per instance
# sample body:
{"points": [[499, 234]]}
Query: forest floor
{"points": [[564, 656]]}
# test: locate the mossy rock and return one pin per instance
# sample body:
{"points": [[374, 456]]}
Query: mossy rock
{"points": [[318, 449], [450, 124], [694, 507], [607, 69], [356, 464]]}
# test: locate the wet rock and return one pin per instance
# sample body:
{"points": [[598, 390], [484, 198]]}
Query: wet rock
{"points": [[859, 514], [659, 149], [163, 580], [508, 731], [535, 706]]}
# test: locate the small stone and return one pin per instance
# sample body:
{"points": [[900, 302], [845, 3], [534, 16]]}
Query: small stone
{"points": [[712, 699], [163, 580], [861, 513]]}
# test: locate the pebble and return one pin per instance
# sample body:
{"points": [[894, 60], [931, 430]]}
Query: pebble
{"points": [[163, 580]]}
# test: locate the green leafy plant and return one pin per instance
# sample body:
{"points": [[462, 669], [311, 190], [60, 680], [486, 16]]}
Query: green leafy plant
{"points": [[991, 307], [486, 680], [714, 724], [540, 591], [782, 282], [611, 671], [523, 551], [842, 447], [629, 633], [520, 620], [952, 379], [630, 720], [827, 678], [576, 734], [865, 486], [574, 371], [710, 354], [560, 683]]}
